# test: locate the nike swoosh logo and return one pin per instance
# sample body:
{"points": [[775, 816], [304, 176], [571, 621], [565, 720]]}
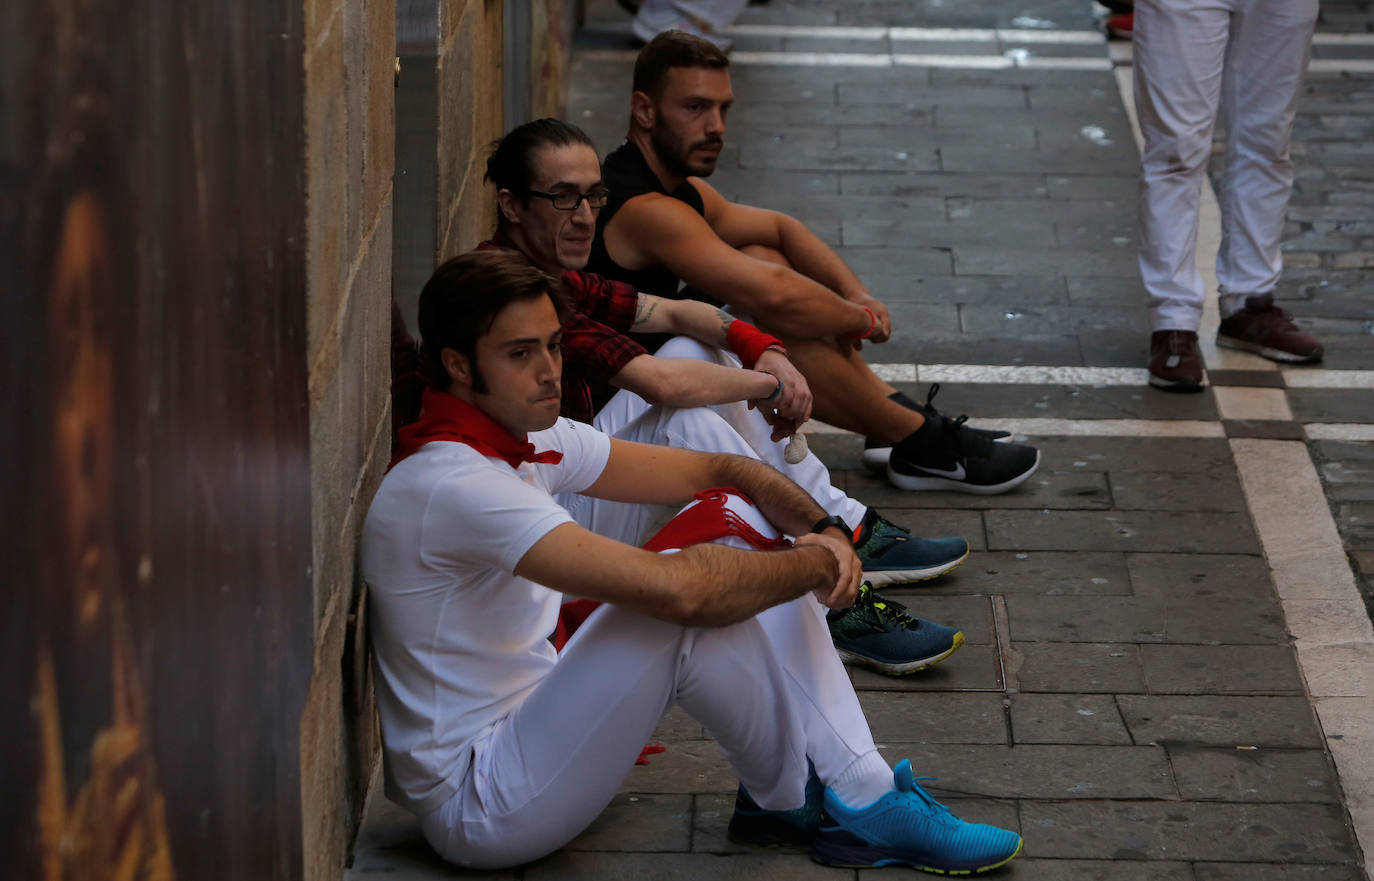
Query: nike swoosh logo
{"points": [[956, 473]]}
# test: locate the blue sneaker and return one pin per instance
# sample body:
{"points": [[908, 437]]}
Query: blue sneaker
{"points": [[882, 635], [752, 824], [891, 555], [907, 827]]}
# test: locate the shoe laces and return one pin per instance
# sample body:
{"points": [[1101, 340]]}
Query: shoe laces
{"points": [[884, 610], [968, 443], [880, 536], [937, 808]]}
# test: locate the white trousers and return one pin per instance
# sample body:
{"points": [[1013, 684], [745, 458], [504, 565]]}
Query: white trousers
{"points": [[725, 428], [1248, 58], [770, 690]]}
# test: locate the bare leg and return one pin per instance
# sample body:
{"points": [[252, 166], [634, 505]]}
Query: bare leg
{"points": [[847, 393]]}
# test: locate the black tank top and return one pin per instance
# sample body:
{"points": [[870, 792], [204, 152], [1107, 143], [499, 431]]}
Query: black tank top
{"points": [[627, 175]]}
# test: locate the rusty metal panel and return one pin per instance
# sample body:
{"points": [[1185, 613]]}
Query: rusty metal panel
{"points": [[158, 625]]}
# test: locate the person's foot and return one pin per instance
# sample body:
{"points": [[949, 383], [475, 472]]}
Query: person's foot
{"points": [[876, 453], [1268, 331], [907, 827], [646, 28], [751, 824], [882, 635], [891, 555], [1121, 27], [944, 454], [1175, 365]]}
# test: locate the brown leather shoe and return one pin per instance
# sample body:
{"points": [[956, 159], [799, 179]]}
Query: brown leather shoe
{"points": [[1268, 331], [1175, 365]]}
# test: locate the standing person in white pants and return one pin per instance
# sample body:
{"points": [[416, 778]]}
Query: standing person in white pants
{"points": [[699, 396], [507, 750], [1248, 58]]}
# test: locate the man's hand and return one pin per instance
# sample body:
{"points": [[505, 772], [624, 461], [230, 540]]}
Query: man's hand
{"points": [[794, 400], [846, 587], [882, 325]]}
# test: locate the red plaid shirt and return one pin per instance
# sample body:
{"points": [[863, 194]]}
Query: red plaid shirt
{"points": [[595, 342]]}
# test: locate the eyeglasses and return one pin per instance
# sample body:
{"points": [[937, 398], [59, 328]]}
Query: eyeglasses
{"points": [[569, 201]]}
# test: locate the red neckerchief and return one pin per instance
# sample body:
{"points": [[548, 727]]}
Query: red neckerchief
{"points": [[444, 417]]}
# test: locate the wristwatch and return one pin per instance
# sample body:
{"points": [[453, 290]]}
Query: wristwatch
{"points": [[833, 520]]}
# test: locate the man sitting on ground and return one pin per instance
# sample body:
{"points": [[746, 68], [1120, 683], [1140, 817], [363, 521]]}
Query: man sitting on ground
{"points": [[664, 224], [507, 750], [693, 394]]}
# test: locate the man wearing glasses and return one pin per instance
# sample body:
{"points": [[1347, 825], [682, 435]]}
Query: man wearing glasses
{"points": [[693, 394]]}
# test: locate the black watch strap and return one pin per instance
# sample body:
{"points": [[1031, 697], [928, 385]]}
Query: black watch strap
{"points": [[834, 520]]}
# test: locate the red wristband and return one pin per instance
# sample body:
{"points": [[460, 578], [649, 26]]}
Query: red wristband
{"points": [[748, 342], [872, 323]]}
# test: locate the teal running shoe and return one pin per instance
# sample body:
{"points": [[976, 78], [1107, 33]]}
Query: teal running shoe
{"points": [[752, 824], [891, 555], [882, 635], [907, 827]]}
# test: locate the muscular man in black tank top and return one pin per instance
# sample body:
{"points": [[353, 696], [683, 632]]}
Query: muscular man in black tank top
{"points": [[665, 225]]}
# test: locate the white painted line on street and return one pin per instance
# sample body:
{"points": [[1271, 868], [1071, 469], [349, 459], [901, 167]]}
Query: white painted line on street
{"points": [[1068, 38], [894, 372], [1034, 427], [945, 35], [822, 31], [1341, 65], [1032, 375], [813, 59], [1338, 431], [882, 60], [1322, 378], [956, 62], [1042, 62], [1343, 39], [1303, 548]]}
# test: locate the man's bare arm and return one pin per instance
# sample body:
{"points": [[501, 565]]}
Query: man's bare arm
{"points": [[740, 225], [656, 229], [705, 585], [687, 382], [710, 325]]}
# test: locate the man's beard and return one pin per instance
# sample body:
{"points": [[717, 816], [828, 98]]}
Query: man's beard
{"points": [[677, 156]]}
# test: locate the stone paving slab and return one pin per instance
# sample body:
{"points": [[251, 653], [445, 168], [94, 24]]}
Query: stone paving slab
{"points": [[1142, 830], [1221, 721], [1278, 775]]}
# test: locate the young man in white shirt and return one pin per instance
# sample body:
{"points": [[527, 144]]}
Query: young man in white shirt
{"points": [[507, 750]]}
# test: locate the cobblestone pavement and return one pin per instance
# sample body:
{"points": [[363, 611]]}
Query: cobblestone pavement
{"points": [[1167, 669]]}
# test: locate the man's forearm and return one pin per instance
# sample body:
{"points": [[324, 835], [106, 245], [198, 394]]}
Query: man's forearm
{"points": [[786, 505], [816, 260], [723, 585], [687, 382]]}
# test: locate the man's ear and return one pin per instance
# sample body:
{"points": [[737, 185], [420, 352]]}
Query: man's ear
{"points": [[642, 110], [457, 367], [509, 205]]}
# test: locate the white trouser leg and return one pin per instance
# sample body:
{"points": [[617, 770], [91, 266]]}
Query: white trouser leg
{"points": [[810, 473], [726, 428], [770, 690], [1265, 64], [550, 767], [1180, 47]]}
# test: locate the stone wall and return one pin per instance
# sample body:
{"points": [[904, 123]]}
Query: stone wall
{"points": [[469, 119], [350, 49]]}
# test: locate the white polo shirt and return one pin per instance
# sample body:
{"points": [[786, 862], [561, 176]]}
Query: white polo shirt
{"points": [[457, 639]]}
